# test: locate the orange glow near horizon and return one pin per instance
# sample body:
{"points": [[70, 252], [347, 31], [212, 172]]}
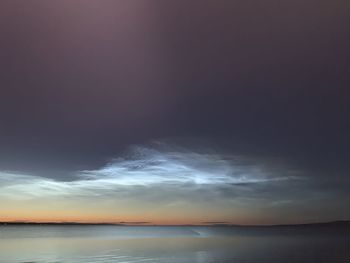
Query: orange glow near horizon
{"points": [[79, 217]]}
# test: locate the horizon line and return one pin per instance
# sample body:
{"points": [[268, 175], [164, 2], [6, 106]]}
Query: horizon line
{"points": [[153, 224]]}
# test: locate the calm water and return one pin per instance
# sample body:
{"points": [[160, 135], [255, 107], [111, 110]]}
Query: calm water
{"points": [[78, 244]]}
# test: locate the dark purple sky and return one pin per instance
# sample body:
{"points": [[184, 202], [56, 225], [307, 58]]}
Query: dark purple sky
{"points": [[82, 81]]}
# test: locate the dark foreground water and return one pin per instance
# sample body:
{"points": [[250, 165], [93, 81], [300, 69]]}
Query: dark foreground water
{"points": [[84, 244]]}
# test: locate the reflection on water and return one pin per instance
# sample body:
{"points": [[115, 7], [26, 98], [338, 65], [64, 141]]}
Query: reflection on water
{"points": [[78, 244]]}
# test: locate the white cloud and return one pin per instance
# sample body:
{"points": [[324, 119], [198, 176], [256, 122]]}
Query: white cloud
{"points": [[175, 169], [179, 167]]}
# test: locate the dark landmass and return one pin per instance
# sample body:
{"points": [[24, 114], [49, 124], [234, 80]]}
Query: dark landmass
{"points": [[343, 223], [216, 223], [57, 224], [328, 229], [134, 223], [318, 224]]}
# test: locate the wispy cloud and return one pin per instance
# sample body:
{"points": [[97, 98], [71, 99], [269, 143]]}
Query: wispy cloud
{"points": [[176, 182], [150, 166], [176, 169]]}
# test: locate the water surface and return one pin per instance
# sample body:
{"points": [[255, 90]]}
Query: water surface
{"points": [[123, 244]]}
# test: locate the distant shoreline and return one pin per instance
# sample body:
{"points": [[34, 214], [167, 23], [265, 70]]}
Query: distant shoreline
{"points": [[343, 223]]}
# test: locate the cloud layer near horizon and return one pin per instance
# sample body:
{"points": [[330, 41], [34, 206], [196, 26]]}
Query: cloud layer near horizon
{"points": [[149, 167], [167, 180]]}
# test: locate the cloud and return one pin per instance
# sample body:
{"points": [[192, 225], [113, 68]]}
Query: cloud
{"points": [[181, 172], [172, 181], [180, 166]]}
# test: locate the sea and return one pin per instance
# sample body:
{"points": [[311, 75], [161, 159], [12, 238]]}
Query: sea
{"points": [[170, 244]]}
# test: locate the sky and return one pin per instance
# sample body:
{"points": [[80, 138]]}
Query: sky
{"points": [[175, 112]]}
